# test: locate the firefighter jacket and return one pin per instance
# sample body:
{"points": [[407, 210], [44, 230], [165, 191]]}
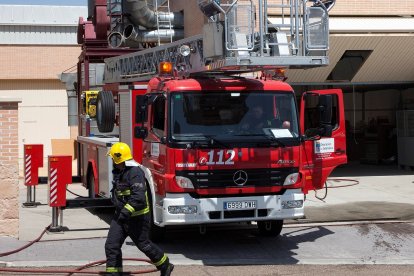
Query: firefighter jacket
{"points": [[129, 192]]}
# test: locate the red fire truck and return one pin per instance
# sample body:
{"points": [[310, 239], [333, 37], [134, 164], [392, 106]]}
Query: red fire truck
{"points": [[219, 133]]}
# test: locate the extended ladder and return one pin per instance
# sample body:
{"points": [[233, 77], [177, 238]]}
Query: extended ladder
{"points": [[232, 42], [163, 6]]}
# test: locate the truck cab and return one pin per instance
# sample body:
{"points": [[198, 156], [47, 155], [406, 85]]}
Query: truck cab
{"points": [[209, 158]]}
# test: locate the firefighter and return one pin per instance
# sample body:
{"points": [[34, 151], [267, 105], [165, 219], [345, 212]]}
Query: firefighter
{"points": [[132, 214]]}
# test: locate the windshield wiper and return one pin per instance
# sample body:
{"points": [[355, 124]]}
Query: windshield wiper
{"points": [[202, 140], [213, 141], [272, 138], [277, 140]]}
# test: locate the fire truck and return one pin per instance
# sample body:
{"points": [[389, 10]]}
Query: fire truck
{"points": [[220, 134]]}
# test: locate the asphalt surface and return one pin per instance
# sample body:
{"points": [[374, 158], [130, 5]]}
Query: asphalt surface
{"points": [[365, 219]]}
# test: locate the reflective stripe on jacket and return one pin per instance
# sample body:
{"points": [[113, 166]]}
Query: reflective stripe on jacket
{"points": [[130, 191]]}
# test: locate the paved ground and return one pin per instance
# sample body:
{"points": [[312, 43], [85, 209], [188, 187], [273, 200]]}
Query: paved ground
{"points": [[355, 193]]}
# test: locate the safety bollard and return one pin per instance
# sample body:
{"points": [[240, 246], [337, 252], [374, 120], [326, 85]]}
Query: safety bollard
{"points": [[60, 175], [33, 160]]}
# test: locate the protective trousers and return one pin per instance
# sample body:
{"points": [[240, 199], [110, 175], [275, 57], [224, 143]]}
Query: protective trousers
{"points": [[138, 229]]}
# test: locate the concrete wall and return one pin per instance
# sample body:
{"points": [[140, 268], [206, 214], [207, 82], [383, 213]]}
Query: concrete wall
{"points": [[9, 183], [43, 114]]}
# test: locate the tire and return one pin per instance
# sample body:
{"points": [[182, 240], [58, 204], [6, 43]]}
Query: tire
{"points": [[157, 233], [270, 228], [105, 111]]}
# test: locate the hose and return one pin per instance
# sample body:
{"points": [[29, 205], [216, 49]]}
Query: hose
{"points": [[69, 272], [80, 269], [27, 245]]}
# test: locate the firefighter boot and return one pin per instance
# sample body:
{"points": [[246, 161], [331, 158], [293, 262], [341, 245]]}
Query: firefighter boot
{"points": [[166, 269]]}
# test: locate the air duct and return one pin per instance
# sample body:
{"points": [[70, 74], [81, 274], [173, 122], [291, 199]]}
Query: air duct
{"points": [[141, 15], [131, 34]]}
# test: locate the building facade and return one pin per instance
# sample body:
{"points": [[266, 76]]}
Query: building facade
{"points": [[37, 44], [371, 54]]}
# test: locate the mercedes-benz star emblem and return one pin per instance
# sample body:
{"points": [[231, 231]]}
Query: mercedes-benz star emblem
{"points": [[240, 178]]}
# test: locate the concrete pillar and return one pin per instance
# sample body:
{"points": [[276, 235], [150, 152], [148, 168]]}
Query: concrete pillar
{"points": [[9, 167]]}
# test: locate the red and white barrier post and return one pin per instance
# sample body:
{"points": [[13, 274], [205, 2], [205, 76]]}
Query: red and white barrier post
{"points": [[33, 160], [60, 175]]}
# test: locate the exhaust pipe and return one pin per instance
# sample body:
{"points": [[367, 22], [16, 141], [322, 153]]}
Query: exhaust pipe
{"points": [[116, 40], [140, 14], [131, 34]]}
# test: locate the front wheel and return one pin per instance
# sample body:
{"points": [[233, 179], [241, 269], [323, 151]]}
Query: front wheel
{"points": [[270, 227]]}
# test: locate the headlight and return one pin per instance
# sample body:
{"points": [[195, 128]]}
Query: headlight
{"points": [[182, 209], [291, 179], [184, 182]]}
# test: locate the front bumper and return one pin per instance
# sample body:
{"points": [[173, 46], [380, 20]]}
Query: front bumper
{"points": [[211, 210]]}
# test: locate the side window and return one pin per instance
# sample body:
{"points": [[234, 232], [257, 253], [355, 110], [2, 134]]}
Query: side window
{"points": [[158, 116], [335, 112], [312, 114]]}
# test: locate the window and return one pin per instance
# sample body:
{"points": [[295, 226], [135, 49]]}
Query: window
{"points": [[312, 113], [349, 65], [158, 116], [232, 113]]}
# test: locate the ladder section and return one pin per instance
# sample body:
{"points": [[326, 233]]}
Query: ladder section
{"points": [[240, 36], [143, 65], [163, 7]]}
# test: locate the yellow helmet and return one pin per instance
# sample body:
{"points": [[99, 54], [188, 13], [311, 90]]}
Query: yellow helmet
{"points": [[120, 152]]}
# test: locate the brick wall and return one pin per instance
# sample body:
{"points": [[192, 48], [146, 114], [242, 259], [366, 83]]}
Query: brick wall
{"points": [[373, 8], [9, 182], [194, 19], [362, 7], [36, 62]]}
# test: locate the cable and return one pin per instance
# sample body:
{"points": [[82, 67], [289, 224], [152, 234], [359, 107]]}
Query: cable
{"points": [[354, 182], [75, 194], [326, 193]]}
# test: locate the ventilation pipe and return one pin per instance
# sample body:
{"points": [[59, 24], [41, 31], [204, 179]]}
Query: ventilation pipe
{"points": [[140, 14], [131, 34]]}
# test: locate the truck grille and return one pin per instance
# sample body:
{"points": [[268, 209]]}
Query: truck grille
{"points": [[226, 178]]}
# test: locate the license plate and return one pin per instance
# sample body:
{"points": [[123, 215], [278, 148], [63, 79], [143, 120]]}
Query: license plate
{"points": [[240, 205]]}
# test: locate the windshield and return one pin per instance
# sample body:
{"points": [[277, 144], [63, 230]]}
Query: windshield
{"points": [[218, 114]]}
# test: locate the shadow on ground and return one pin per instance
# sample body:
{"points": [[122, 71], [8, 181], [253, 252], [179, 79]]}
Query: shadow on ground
{"points": [[354, 169]]}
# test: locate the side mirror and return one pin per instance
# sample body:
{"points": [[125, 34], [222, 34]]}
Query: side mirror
{"points": [[326, 130], [141, 114], [140, 132]]}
